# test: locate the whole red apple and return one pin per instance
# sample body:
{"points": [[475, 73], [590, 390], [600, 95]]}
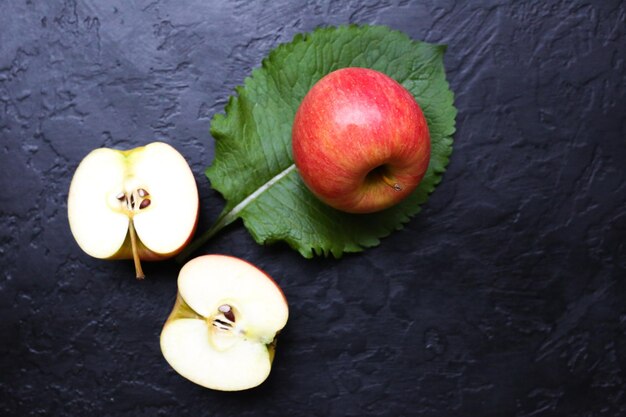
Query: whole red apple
{"points": [[360, 141]]}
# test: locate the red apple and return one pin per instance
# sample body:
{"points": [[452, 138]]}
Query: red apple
{"points": [[360, 141]]}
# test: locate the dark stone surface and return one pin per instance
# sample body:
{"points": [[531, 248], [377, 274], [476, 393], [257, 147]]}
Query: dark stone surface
{"points": [[504, 297]]}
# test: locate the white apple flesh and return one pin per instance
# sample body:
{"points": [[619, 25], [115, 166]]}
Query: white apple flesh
{"points": [[222, 331], [139, 204]]}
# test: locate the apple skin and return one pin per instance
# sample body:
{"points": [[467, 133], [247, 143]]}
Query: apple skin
{"points": [[360, 141]]}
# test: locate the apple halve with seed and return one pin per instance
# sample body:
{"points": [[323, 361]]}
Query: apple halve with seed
{"points": [[222, 331], [139, 204]]}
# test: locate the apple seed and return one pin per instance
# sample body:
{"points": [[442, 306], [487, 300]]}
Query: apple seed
{"points": [[227, 311], [221, 324], [144, 203], [130, 201]]}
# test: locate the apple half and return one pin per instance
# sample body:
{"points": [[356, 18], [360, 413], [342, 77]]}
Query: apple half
{"points": [[139, 204], [221, 333]]}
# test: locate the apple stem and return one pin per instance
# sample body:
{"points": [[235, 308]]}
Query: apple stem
{"points": [[133, 243], [390, 181]]}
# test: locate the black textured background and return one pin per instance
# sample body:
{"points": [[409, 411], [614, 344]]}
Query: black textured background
{"points": [[504, 297]]}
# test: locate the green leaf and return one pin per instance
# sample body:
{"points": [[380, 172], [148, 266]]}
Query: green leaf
{"points": [[253, 167]]}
